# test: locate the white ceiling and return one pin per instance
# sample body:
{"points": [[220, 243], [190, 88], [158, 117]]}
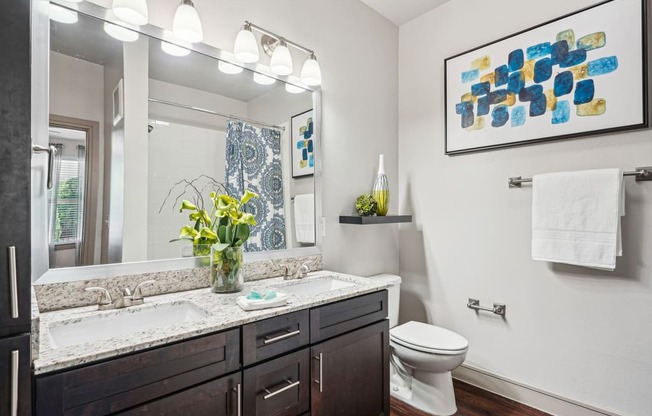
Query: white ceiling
{"points": [[402, 11]]}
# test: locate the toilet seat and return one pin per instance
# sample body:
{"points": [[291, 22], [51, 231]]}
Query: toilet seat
{"points": [[428, 338]]}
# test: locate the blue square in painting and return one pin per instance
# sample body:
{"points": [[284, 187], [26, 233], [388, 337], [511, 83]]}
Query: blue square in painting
{"points": [[562, 113], [542, 70], [518, 116], [301, 144], [563, 83], [584, 91], [498, 96], [304, 154], [469, 76], [499, 116], [602, 66], [311, 161], [575, 57], [502, 72], [516, 60], [530, 93], [559, 52], [464, 107], [310, 146], [483, 106], [538, 106], [538, 51], [481, 88], [515, 82]]}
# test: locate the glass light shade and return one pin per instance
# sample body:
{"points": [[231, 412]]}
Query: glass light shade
{"points": [[174, 50], [186, 25], [293, 89], [120, 33], [62, 15], [131, 11], [228, 68], [281, 63], [74, 1], [311, 74], [246, 48], [263, 79]]}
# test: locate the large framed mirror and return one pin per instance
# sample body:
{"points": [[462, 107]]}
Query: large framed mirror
{"points": [[140, 124]]}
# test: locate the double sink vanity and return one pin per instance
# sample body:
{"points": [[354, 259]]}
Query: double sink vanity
{"points": [[195, 352]]}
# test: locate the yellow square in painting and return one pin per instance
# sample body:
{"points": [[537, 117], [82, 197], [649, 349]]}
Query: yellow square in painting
{"points": [[302, 130], [490, 78], [481, 63], [303, 163]]}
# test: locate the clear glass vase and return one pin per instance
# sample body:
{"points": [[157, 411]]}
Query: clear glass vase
{"points": [[226, 270]]}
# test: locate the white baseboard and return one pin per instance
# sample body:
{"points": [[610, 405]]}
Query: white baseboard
{"points": [[529, 396]]}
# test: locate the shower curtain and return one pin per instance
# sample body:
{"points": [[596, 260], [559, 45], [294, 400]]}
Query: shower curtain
{"points": [[253, 161], [53, 199]]}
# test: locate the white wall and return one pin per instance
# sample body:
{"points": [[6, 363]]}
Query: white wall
{"points": [[575, 332], [357, 51]]}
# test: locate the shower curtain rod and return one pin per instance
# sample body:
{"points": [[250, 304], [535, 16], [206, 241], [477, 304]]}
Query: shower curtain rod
{"points": [[215, 113]]}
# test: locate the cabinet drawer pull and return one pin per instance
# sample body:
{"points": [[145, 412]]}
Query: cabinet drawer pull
{"points": [[13, 282], [320, 381], [281, 337], [14, 383], [290, 385], [239, 398]]}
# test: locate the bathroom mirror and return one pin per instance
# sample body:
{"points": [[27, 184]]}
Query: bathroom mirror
{"points": [[140, 124]]}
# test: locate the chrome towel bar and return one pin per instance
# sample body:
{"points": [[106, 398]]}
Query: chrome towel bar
{"points": [[498, 309], [641, 174]]}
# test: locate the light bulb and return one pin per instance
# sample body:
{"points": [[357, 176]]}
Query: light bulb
{"points": [[131, 11], [311, 74], [246, 48], [228, 68], [293, 89], [174, 50], [281, 63], [186, 25], [120, 33], [263, 79], [62, 15]]}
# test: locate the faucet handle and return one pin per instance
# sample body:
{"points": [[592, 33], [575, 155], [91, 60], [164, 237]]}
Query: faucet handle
{"points": [[138, 294], [286, 271], [105, 299]]}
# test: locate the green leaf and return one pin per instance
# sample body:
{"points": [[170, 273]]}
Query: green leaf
{"points": [[242, 233], [220, 246], [229, 235], [221, 233]]}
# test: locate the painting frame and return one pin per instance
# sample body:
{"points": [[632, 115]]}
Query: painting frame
{"points": [[118, 102], [303, 154], [456, 136]]}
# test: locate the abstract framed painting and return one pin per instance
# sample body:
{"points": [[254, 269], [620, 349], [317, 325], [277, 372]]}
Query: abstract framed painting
{"points": [[581, 74], [303, 144]]}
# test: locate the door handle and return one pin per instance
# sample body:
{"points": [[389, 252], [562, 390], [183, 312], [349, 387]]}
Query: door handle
{"points": [[14, 383], [290, 385], [239, 397], [282, 337], [13, 282], [51, 151], [320, 381]]}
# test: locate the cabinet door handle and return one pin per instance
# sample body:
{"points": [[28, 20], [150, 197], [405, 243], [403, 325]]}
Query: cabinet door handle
{"points": [[271, 394], [13, 282], [281, 337], [320, 381], [51, 151], [239, 398], [14, 383]]}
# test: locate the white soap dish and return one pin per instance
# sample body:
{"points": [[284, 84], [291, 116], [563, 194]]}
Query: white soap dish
{"points": [[281, 299]]}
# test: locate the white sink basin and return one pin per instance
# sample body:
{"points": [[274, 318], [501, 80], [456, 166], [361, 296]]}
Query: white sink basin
{"points": [[314, 286], [120, 322]]}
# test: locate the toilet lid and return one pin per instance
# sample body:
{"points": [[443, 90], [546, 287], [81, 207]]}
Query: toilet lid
{"points": [[426, 337]]}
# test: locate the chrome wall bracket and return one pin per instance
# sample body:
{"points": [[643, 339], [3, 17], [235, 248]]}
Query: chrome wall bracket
{"points": [[498, 308]]}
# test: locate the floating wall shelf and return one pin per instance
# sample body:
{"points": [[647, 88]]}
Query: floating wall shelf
{"points": [[387, 219]]}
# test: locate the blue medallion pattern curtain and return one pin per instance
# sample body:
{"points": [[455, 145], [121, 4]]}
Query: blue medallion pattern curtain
{"points": [[253, 161]]}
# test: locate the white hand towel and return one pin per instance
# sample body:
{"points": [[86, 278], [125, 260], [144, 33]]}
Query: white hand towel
{"points": [[304, 218], [576, 217]]}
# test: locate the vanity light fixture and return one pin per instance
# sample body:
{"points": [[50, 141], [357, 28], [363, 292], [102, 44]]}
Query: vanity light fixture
{"points": [[293, 89], [228, 68], [62, 15], [246, 50], [131, 11], [174, 50], [263, 79], [120, 33], [74, 1], [186, 25]]}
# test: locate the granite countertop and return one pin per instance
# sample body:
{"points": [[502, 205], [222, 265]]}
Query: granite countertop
{"points": [[222, 313]]}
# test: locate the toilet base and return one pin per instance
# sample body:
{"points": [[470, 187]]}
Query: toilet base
{"points": [[431, 392]]}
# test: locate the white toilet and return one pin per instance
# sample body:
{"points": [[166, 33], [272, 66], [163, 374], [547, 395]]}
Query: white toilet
{"points": [[422, 359]]}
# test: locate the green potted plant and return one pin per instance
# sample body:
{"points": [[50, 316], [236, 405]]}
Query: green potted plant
{"points": [[225, 228]]}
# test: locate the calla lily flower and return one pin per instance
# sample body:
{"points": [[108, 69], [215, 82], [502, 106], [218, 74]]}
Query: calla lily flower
{"points": [[185, 204]]}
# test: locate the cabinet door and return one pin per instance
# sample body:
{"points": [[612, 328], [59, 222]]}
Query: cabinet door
{"points": [[350, 373], [219, 397], [15, 156], [15, 376]]}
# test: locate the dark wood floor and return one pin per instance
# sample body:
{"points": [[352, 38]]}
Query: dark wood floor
{"points": [[473, 401]]}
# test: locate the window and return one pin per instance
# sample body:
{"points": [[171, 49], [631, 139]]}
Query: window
{"points": [[69, 203]]}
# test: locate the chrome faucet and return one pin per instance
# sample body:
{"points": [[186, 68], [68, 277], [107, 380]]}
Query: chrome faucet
{"points": [[127, 299], [302, 272]]}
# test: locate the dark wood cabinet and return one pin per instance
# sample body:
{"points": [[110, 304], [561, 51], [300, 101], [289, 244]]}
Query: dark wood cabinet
{"points": [[350, 373], [274, 336], [216, 398], [15, 375]]}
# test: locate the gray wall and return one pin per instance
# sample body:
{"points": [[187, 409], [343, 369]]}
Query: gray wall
{"points": [[575, 332]]}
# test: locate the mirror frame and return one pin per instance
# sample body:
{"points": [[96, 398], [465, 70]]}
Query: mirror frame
{"points": [[41, 273]]}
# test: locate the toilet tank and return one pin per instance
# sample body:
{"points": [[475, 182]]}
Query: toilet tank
{"points": [[393, 295]]}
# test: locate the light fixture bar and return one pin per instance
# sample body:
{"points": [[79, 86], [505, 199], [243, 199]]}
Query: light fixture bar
{"points": [[277, 37]]}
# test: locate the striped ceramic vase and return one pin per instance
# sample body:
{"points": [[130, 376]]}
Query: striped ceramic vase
{"points": [[381, 188]]}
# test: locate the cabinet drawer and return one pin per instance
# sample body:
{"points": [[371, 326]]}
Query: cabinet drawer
{"points": [[274, 336], [122, 383], [280, 387], [338, 318], [215, 398]]}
